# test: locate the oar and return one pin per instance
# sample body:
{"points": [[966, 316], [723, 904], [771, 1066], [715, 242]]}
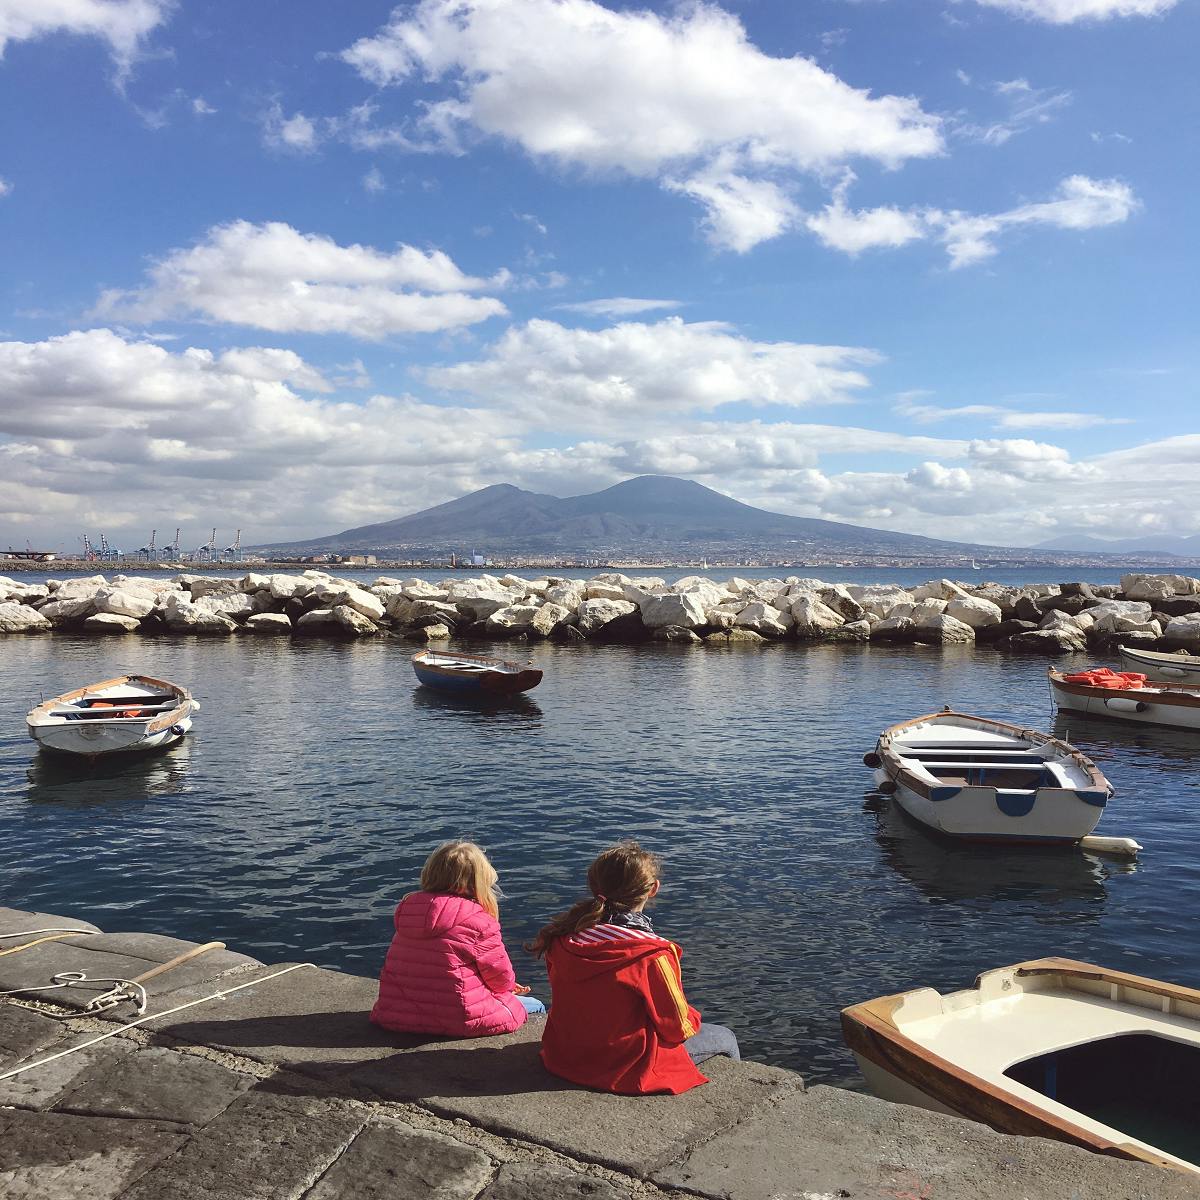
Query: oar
{"points": [[121, 992]]}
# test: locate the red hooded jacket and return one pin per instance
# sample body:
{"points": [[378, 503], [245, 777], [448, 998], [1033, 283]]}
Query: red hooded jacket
{"points": [[619, 1017]]}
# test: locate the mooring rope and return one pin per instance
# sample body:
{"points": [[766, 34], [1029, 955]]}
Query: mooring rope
{"points": [[151, 1017], [57, 934]]}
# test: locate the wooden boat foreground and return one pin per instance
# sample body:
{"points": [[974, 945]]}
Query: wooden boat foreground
{"points": [[1167, 668], [473, 674], [1169, 704], [114, 716], [989, 781], [1049, 1048]]}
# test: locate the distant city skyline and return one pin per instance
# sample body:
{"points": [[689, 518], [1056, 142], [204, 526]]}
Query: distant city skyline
{"points": [[300, 267]]}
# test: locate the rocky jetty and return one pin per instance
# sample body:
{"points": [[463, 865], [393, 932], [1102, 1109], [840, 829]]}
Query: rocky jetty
{"points": [[1153, 611]]}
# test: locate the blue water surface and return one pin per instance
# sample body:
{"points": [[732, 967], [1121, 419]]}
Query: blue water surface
{"points": [[319, 776]]}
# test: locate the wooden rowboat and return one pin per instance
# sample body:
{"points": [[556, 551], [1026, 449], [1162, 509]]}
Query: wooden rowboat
{"points": [[473, 674], [1168, 668], [989, 781], [115, 716], [1168, 704], [1049, 1048]]}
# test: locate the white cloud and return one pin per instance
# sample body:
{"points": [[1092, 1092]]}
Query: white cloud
{"points": [[618, 306], [5, 187], [1025, 108], [123, 24], [373, 182], [1079, 203], [593, 379], [685, 99], [1067, 12], [1007, 418], [274, 277], [298, 134], [201, 107]]}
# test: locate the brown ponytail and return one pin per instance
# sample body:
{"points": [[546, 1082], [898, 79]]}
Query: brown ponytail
{"points": [[620, 878]]}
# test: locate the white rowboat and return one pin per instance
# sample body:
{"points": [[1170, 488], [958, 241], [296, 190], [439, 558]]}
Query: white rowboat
{"points": [[115, 716], [1050, 1048], [989, 781], [1175, 706], [1167, 668]]}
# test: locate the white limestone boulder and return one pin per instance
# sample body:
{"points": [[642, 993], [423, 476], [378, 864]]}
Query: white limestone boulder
{"points": [[269, 624], [892, 629], [939, 629], [204, 585], [814, 618], [765, 619], [353, 622], [549, 617], [686, 610], [704, 591], [1183, 632], [185, 616], [570, 594], [371, 607], [237, 605], [879, 599], [974, 611], [724, 616], [122, 603], [512, 620], [418, 589], [108, 622], [429, 612], [21, 618], [317, 621], [72, 608], [74, 589], [252, 582], [939, 589], [839, 599], [604, 591], [429, 633], [285, 587], [481, 606], [595, 614], [23, 593]]}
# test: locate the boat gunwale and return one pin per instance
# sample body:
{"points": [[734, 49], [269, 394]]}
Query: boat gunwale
{"points": [[903, 775], [37, 716], [869, 1029], [502, 666], [1160, 658], [1178, 695]]}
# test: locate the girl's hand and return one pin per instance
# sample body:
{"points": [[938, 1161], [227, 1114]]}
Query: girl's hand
{"points": [[521, 990]]}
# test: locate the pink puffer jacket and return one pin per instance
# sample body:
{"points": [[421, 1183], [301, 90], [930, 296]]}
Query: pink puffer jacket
{"points": [[447, 971]]}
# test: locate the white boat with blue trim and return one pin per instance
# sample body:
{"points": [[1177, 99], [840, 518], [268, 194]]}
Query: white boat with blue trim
{"points": [[988, 781], [116, 716]]}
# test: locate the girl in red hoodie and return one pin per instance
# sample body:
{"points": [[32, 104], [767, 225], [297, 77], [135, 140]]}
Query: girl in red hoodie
{"points": [[619, 1020], [447, 971]]}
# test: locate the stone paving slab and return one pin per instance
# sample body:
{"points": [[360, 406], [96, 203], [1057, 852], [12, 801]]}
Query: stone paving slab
{"points": [[24, 1032], [45, 1156], [500, 1085], [18, 920], [538, 1181], [156, 1084], [42, 1086], [310, 1019], [262, 1147], [392, 1160], [111, 956], [829, 1142]]}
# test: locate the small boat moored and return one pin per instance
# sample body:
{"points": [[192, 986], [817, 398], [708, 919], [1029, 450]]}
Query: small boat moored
{"points": [[1127, 696], [473, 674], [1049, 1048], [989, 781], [1167, 668], [128, 713]]}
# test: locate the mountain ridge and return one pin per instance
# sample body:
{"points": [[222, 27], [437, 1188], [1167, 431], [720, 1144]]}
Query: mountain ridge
{"points": [[648, 513]]}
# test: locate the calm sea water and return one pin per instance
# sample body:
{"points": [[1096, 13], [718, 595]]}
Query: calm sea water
{"points": [[319, 777]]}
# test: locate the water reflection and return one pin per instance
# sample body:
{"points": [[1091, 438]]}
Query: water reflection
{"points": [[76, 782], [949, 871], [499, 710]]}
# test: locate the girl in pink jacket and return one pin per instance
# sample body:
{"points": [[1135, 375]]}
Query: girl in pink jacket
{"points": [[447, 971]]}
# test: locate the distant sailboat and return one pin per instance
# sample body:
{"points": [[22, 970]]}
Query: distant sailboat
{"points": [[975, 566]]}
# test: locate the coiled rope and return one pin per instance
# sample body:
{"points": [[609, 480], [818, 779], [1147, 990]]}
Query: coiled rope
{"points": [[41, 1062]]}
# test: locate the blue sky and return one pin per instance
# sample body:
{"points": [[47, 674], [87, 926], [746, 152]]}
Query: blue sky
{"points": [[298, 266]]}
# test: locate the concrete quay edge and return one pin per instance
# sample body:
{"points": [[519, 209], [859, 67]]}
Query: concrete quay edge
{"points": [[283, 1090]]}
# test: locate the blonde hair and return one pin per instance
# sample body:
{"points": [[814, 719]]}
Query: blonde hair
{"points": [[620, 878], [462, 869]]}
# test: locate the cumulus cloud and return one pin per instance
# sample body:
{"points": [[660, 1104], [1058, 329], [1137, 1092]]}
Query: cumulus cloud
{"points": [[5, 187], [273, 277], [1067, 12], [683, 98], [296, 133], [123, 24], [593, 378], [1078, 203]]}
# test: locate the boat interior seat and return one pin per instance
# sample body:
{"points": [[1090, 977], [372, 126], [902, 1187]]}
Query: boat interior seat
{"points": [[89, 701]]}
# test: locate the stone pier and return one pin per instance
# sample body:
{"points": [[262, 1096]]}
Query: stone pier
{"points": [[282, 1090]]}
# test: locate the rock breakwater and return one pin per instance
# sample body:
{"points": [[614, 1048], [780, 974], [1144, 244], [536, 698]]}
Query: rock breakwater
{"points": [[1152, 611]]}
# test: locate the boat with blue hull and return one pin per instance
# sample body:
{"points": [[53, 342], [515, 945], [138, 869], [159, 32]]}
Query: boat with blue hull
{"points": [[988, 781], [473, 674]]}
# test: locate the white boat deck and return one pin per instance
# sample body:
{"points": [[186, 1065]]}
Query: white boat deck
{"points": [[986, 1034]]}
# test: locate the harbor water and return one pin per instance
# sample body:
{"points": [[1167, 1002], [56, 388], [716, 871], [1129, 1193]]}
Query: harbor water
{"points": [[318, 777]]}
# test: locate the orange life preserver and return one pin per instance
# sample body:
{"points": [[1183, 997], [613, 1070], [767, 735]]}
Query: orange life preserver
{"points": [[1105, 677]]}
